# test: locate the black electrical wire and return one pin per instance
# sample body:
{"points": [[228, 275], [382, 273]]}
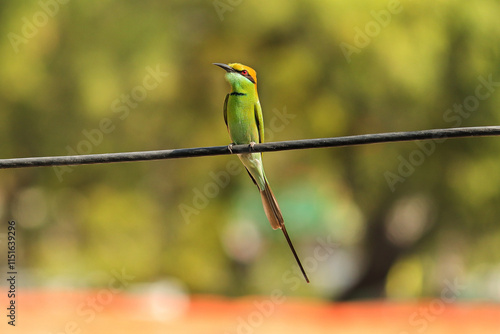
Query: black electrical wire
{"points": [[436, 134]]}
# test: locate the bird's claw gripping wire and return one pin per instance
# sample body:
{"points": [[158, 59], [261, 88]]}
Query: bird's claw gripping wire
{"points": [[230, 146]]}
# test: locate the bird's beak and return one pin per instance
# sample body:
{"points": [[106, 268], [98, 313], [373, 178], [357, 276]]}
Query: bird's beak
{"points": [[225, 67]]}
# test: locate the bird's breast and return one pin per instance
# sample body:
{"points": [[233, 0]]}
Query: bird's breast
{"points": [[241, 120]]}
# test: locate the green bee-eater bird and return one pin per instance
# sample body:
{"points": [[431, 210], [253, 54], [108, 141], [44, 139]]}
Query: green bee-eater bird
{"points": [[244, 121]]}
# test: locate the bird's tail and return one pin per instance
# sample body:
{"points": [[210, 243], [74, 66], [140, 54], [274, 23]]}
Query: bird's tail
{"points": [[271, 207], [273, 213]]}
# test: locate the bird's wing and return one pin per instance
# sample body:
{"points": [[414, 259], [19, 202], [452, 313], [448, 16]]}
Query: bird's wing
{"points": [[225, 109], [259, 120]]}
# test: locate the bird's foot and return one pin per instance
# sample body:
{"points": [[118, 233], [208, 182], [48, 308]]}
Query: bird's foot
{"points": [[230, 148], [252, 144]]}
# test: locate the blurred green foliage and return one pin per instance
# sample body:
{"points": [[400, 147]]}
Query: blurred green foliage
{"points": [[69, 65]]}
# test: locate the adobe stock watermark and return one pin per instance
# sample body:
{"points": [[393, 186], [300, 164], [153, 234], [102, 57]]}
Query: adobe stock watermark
{"points": [[88, 310], [31, 26], [455, 115], [293, 279], [221, 179], [421, 319], [363, 37], [223, 6], [121, 108]]}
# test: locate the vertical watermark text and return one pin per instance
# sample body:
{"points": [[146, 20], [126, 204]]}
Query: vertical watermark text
{"points": [[11, 272]]}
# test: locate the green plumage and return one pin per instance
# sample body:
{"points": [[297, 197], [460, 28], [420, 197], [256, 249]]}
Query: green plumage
{"points": [[243, 116], [244, 121]]}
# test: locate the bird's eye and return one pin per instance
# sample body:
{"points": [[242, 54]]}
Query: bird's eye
{"points": [[244, 72]]}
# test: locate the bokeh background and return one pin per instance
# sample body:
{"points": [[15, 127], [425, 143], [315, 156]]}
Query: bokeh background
{"points": [[402, 219]]}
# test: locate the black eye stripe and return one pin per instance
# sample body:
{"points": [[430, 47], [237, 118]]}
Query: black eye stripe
{"points": [[248, 76]]}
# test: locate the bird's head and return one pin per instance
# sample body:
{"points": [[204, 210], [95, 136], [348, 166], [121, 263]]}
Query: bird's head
{"points": [[239, 76]]}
